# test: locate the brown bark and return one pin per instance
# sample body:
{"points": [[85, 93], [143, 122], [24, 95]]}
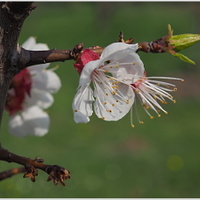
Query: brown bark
{"points": [[56, 173], [12, 16]]}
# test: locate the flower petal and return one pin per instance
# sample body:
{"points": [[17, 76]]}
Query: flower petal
{"points": [[82, 104], [113, 99], [31, 44], [35, 69], [46, 80], [40, 98], [85, 77], [32, 121], [118, 47], [16, 126]]}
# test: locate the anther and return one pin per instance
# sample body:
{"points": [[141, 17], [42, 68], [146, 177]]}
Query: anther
{"points": [[114, 93], [137, 90]]}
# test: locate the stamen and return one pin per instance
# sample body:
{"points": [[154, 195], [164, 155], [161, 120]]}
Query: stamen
{"points": [[114, 93], [53, 68], [127, 101], [167, 78]]}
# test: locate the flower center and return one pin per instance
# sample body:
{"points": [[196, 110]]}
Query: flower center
{"points": [[20, 86]]}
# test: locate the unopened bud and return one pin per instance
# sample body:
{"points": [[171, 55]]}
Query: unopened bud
{"points": [[183, 41], [180, 42]]}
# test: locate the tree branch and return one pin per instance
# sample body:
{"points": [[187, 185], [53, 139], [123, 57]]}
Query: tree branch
{"points": [[9, 173], [28, 58], [56, 173]]}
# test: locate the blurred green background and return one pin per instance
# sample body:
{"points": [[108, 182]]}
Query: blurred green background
{"points": [[110, 159]]}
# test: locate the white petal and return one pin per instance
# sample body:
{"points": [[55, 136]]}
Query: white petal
{"points": [[32, 121], [80, 117], [40, 46], [16, 126], [118, 47], [112, 104], [85, 77], [46, 80], [82, 104], [37, 68], [31, 44], [40, 98]]}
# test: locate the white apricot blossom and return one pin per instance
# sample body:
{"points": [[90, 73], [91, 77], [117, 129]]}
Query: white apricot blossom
{"points": [[110, 84], [30, 93]]}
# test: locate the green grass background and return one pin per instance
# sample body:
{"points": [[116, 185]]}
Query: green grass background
{"points": [[110, 159]]}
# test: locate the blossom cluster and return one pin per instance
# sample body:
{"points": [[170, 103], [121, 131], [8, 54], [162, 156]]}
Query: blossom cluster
{"points": [[29, 94], [109, 84]]}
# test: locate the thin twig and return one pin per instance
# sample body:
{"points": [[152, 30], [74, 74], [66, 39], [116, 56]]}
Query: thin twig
{"points": [[56, 173], [11, 172]]}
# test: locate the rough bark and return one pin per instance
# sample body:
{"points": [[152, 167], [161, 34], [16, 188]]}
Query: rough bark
{"points": [[12, 16]]}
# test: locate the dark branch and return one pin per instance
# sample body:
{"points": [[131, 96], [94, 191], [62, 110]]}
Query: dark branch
{"points": [[56, 173], [11, 172], [29, 58]]}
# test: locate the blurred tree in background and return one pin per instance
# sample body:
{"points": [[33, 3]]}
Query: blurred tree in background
{"points": [[111, 159]]}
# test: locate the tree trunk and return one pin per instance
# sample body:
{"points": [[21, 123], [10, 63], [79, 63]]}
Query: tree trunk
{"points": [[12, 16]]}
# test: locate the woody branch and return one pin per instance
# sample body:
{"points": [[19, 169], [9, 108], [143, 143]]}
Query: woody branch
{"points": [[56, 173]]}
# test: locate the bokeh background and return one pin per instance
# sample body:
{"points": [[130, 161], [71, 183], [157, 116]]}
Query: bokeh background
{"points": [[110, 159]]}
